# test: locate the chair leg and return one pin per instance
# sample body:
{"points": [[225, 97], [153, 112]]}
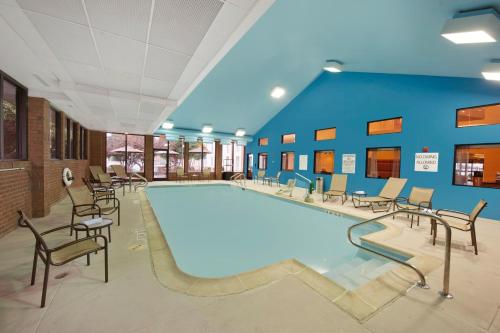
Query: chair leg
{"points": [[411, 222], [109, 233], [33, 272], [106, 264], [473, 238], [434, 225], [72, 222], [45, 282], [118, 216]]}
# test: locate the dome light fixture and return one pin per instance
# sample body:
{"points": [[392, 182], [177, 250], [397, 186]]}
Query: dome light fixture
{"points": [[240, 132], [207, 128], [333, 66], [491, 71], [474, 26], [278, 92], [168, 125]]}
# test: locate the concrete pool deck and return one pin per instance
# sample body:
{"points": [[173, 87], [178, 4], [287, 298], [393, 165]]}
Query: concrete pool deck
{"points": [[135, 301]]}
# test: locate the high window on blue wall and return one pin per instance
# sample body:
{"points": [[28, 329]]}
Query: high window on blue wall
{"points": [[325, 134], [478, 116], [385, 126], [263, 141], [477, 165], [288, 138], [383, 162], [262, 161]]}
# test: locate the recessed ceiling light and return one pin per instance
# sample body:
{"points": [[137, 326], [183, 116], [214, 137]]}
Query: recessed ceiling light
{"points": [[240, 132], [477, 26], [207, 129], [491, 71], [278, 92], [168, 124], [333, 66]]}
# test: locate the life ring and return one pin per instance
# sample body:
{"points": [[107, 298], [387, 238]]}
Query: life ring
{"points": [[67, 177]]}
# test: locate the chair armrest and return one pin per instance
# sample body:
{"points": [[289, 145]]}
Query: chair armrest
{"points": [[424, 204], [440, 213], [62, 227], [401, 200], [95, 237], [115, 200]]}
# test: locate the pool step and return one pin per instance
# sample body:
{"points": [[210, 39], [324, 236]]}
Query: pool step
{"points": [[359, 271]]}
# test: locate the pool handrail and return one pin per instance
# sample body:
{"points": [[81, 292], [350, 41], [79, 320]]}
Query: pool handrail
{"points": [[239, 177], [422, 283]]}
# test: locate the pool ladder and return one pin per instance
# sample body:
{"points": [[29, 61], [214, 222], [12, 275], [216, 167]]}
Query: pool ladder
{"points": [[239, 178], [447, 253]]}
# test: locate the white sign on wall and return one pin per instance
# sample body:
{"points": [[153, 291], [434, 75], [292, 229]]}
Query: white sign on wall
{"points": [[426, 162], [348, 163], [303, 162]]}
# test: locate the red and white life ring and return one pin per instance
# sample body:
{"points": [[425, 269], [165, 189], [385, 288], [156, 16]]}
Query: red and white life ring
{"points": [[67, 177]]}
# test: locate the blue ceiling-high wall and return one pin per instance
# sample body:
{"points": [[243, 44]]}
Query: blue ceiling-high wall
{"points": [[428, 105]]}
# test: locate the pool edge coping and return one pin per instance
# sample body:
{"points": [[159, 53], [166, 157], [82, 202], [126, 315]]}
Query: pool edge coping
{"points": [[361, 303]]}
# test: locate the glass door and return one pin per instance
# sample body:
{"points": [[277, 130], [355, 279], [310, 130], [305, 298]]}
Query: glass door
{"points": [[160, 158], [249, 166]]}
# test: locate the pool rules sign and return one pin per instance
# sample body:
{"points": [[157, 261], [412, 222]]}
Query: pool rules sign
{"points": [[426, 162]]}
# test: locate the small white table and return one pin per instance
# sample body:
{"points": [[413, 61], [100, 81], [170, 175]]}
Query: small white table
{"points": [[94, 226]]}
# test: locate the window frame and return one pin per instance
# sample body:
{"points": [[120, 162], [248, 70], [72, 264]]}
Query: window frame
{"points": [[83, 143], [126, 150], [261, 145], [378, 120], [258, 160], [288, 143], [455, 161], [366, 160], [314, 165], [472, 107], [21, 118], [58, 143], [322, 129], [281, 159]]}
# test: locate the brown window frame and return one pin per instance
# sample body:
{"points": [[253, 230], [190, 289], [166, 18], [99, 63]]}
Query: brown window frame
{"points": [[473, 107], [21, 118], [293, 166], [126, 150], [69, 145], [258, 160], [83, 143], [262, 145], [314, 166], [322, 129], [455, 161], [58, 121], [366, 160], [378, 120], [288, 143]]}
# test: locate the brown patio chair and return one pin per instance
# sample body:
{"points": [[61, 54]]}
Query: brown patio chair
{"points": [[106, 181], [138, 180], [95, 170], [386, 197], [420, 198], [337, 188], [180, 174], [85, 205], [62, 254], [261, 174], [99, 191], [460, 221], [207, 174]]}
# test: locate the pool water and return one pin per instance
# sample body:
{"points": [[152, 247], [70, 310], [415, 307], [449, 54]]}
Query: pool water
{"points": [[222, 230]]}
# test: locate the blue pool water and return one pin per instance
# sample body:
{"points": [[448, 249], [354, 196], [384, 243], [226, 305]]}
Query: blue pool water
{"points": [[221, 230]]}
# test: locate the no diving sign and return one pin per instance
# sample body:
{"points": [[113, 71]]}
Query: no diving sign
{"points": [[426, 162]]}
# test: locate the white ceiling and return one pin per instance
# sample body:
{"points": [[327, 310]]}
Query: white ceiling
{"points": [[119, 65]]}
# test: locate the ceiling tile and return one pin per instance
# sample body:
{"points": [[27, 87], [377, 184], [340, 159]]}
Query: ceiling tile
{"points": [[69, 10], [125, 107], [150, 110], [180, 25], [85, 74], [67, 40], [96, 101], [165, 65], [123, 82], [129, 18], [119, 53], [156, 88]]}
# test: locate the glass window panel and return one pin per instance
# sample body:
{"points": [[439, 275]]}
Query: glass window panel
{"points": [[385, 126], [160, 142], [115, 150], [175, 156], [195, 156], [160, 164], [477, 165], [9, 105], [262, 161], [83, 143], [209, 156], [238, 158], [53, 133], [324, 161], [227, 157], [325, 134], [383, 162], [478, 116], [263, 141], [287, 161], [135, 153], [288, 138], [69, 139]]}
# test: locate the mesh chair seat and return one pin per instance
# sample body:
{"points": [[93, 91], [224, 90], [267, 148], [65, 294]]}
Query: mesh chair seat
{"points": [[74, 251]]}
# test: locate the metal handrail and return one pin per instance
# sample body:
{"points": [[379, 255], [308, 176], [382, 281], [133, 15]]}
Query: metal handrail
{"points": [[447, 254], [240, 177]]}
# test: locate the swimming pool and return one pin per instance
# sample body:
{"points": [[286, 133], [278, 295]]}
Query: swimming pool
{"points": [[219, 230]]}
